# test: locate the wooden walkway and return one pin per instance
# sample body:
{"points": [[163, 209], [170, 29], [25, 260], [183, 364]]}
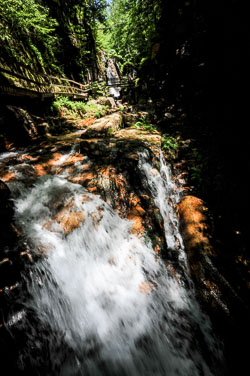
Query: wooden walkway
{"points": [[42, 86], [45, 86]]}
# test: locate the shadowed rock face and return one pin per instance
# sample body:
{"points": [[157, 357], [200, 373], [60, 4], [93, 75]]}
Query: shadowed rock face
{"points": [[8, 232], [5, 206], [227, 306], [194, 227], [197, 240]]}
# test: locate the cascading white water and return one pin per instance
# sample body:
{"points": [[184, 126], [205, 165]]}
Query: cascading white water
{"points": [[105, 293], [113, 77], [166, 194]]}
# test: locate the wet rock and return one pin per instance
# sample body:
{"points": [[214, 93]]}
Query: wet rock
{"points": [[66, 214], [115, 174], [105, 126], [130, 118], [9, 273], [69, 220], [106, 101], [8, 231], [213, 289], [86, 122], [5, 268], [20, 126], [194, 227], [6, 208]]}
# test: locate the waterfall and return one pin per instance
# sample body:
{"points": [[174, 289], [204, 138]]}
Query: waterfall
{"points": [[100, 301], [165, 193], [113, 78]]}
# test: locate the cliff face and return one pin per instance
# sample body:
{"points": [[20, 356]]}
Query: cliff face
{"points": [[196, 80], [53, 37]]}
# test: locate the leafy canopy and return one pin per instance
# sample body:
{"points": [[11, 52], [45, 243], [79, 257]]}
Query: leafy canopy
{"points": [[131, 26]]}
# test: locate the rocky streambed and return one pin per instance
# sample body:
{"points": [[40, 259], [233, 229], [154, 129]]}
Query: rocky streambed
{"points": [[124, 167]]}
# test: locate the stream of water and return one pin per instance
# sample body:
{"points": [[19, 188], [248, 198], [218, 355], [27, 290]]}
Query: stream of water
{"points": [[99, 301], [113, 77]]}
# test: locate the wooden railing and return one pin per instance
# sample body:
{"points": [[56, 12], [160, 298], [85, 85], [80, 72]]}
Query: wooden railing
{"points": [[42, 86], [113, 82]]}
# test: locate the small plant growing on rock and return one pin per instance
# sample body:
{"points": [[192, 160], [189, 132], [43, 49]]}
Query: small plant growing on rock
{"points": [[110, 132], [170, 144], [145, 126]]}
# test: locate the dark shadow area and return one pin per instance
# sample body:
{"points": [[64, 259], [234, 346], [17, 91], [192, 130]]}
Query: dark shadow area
{"points": [[198, 85]]}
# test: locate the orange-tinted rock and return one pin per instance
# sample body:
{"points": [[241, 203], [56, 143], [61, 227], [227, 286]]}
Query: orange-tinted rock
{"points": [[72, 159], [211, 287], [69, 221], [135, 207], [9, 176], [40, 170], [135, 214], [192, 212], [69, 217], [145, 287], [92, 189], [8, 144], [193, 226], [45, 167], [86, 122], [157, 249], [27, 157], [83, 178], [137, 226]]}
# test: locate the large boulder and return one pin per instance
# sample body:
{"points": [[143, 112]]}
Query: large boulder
{"points": [[105, 126], [213, 289], [106, 101]]}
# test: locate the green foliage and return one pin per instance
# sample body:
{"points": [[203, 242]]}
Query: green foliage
{"points": [[96, 109], [26, 34], [110, 132], [196, 175], [170, 144], [131, 28], [98, 89], [138, 125], [77, 21], [73, 106], [137, 81], [89, 109], [103, 39], [149, 128], [142, 123], [198, 168], [48, 36]]}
